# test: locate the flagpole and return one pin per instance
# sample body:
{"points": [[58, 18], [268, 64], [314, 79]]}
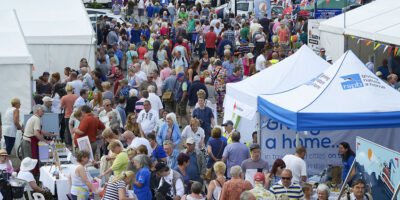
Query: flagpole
{"points": [[344, 27]]}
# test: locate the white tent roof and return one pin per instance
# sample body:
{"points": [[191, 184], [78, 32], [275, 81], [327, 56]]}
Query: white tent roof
{"points": [[345, 96], [52, 21], [378, 20], [13, 48], [290, 72]]}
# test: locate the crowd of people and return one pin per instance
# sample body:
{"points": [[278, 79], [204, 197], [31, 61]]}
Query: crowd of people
{"points": [[152, 106]]}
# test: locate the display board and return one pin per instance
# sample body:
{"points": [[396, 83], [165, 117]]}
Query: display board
{"points": [[313, 34], [277, 140], [262, 7], [378, 167], [50, 122]]}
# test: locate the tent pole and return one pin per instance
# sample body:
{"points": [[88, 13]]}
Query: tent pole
{"points": [[297, 139], [258, 128]]}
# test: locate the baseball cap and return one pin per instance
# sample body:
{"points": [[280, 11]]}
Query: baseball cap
{"points": [[259, 177], [45, 73], [322, 49], [229, 122], [179, 75], [190, 141], [46, 99], [243, 41], [254, 146]]}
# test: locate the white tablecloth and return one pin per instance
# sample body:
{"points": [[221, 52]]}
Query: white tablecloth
{"points": [[49, 181]]}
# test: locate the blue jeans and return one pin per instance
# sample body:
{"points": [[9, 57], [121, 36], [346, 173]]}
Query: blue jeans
{"points": [[172, 18], [9, 143]]}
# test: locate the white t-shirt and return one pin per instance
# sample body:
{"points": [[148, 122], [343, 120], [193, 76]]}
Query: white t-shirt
{"points": [[155, 102], [148, 120], [27, 176], [33, 124], [77, 85], [297, 166], [141, 4], [198, 136], [260, 62], [4, 165], [141, 141]]}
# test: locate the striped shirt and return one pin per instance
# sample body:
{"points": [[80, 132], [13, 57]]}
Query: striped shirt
{"points": [[294, 191], [111, 192]]}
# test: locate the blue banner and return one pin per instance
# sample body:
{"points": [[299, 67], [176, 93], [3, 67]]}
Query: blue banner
{"points": [[327, 13]]}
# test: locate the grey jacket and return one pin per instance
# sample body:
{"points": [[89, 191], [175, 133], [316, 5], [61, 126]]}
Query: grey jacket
{"points": [[201, 162]]}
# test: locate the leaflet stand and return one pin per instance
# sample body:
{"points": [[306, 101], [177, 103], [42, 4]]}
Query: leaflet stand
{"points": [[347, 178], [56, 159]]}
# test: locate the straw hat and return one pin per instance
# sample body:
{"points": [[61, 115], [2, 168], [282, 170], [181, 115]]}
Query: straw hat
{"points": [[3, 152], [28, 164]]}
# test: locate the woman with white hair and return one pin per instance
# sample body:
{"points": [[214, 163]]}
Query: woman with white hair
{"points": [[131, 101], [11, 124], [323, 192], [169, 131]]}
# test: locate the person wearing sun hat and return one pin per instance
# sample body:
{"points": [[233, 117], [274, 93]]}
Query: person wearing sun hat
{"points": [[27, 164], [5, 163]]}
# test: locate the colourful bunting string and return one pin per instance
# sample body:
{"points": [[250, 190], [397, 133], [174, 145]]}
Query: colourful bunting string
{"points": [[395, 50], [380, 47], [390, 49], [384, 50], [368, 43], [376, 46]]}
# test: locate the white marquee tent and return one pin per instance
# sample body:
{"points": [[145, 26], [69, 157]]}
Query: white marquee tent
{"points": [[15, 64], [58, 33], [241, 97], [345, 96], [376, 21]]}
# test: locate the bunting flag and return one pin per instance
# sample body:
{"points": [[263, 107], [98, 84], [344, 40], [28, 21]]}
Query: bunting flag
{"points": [[384, 50], [376, 46], [368, 43], [398, 52], [345, 35], [327, 2], [390, 49], [352, 37], [395, 50], [358, 41], [380, 47], [365, 41]]}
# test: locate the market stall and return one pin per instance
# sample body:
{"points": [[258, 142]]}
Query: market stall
{"points": [[60, 184], [344, 101], [241, 97], [58, 33]]}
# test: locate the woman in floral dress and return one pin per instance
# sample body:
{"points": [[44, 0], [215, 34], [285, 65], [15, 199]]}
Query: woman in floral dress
{"points": [[220, 74]]}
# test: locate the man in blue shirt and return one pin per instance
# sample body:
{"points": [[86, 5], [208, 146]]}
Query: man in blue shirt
{"points": [[221, 47], [121, 109], [172, 154], [228, 64], [205, 116], [197, 166]]}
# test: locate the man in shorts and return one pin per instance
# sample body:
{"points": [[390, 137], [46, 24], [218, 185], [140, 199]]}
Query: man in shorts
{"points": [[181, 90]]}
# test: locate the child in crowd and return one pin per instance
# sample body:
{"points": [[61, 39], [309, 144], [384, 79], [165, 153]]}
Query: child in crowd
{"points": [[307, 190]]}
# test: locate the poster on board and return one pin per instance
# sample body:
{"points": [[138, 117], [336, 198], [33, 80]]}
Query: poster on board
{"points": [[50, 122], [84, 145], [313, 34], [277, 140], [378, 167]]}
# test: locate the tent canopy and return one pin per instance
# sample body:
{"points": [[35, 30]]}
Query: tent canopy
{"points": [[13, 49], [378, 20], [290, 72], [345, 96], [52, 22], [15, 64]]}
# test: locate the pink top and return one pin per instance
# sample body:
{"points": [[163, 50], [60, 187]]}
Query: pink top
{"points": [[283, 35], [165, 73], [163, 31], [246, 67]]}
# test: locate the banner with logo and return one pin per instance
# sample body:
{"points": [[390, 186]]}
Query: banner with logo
{"points": [[277, 140], [379, 168], [262, 7]]}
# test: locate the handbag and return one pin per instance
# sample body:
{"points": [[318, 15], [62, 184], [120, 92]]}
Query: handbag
{"points": [[208, 174], [168, 96]]}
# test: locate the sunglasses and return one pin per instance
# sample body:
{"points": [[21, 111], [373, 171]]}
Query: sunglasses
{"points": [[108, 105], [286, 178]]}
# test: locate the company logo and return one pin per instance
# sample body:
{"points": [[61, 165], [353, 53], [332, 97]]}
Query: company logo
{"points": [[237, 107], [351, 81]]}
